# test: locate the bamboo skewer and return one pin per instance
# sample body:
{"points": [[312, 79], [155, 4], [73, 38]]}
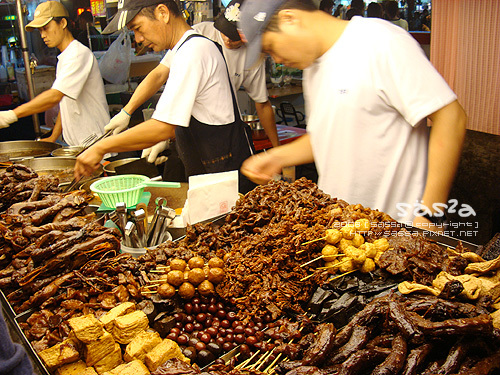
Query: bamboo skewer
{"points": [[333, 265], [312, 261], [345, 273], [308, 242]]}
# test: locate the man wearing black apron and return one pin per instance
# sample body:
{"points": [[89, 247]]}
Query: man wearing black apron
{"points": [[197, 106]]}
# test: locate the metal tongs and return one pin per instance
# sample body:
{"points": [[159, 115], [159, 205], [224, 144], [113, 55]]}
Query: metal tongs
{"points": [[75, 181]]}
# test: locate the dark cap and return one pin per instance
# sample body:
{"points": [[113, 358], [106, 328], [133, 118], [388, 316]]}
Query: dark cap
{"points": [[226, 22], [127, 10], [255, 16]]}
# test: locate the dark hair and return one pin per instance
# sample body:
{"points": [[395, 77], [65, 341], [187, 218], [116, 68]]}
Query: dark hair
{"points": [[86, 16], [392, 9], [353, 12], [306, 5], [58, 20], [172, 6], [358, 4], [375, 10], [325, 4]]}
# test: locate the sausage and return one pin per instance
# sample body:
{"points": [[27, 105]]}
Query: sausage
{"points": [[395, 360], [415, 359]]}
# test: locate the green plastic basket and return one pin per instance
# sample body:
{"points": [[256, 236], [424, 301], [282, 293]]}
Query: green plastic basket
{"points": [[125, 188]]}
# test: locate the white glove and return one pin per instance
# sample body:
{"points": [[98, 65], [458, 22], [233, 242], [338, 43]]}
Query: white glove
{"points": [[7, 118], [152, 153], [118, 122]]}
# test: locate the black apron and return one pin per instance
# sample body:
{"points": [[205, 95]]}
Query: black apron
{"points": [[207, 148]]}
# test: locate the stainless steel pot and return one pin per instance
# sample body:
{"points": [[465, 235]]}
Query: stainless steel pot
{"points": [[61, 168], [66, 152], [110, 167], [258, 131], [17, 150]]}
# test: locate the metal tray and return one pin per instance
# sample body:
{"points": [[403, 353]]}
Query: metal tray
{"points": [[35, 358], [16, 150], [59, 167]]}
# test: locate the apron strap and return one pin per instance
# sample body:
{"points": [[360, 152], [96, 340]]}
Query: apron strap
{"points": [[236, 109]]}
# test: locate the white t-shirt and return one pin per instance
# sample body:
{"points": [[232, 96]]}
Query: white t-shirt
{"points": [[84, 109], [366, 101], [401, 23], [253, 80], [197, 85]]}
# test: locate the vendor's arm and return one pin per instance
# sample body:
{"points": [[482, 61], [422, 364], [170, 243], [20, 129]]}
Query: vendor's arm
{"points": [[40, 103], [139, 137], [268, 121], [445, 146], [261, 167], [148, 87], [56, 131]]}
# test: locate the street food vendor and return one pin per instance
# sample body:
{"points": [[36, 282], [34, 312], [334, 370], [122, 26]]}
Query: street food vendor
{"points": [[78, 87], [198, 106], [366, 128], [224, 32]]}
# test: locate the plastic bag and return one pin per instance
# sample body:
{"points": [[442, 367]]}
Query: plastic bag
{"points": [[115, 64]]}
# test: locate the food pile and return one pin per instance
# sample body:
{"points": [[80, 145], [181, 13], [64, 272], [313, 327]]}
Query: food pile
{"points": [[248, 282], [395, 335], [95, 346], [188, 277]]}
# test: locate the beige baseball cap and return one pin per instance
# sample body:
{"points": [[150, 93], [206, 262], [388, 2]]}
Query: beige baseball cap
{"points": [[45, 12]]}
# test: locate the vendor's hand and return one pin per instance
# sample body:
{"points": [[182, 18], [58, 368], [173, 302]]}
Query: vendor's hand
{"points": [[118, 123], [152, 153], [261, 168], [7, 118], [88, 162]]}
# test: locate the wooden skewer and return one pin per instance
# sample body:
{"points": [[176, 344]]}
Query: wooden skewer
{"points": [[308, 276], [311, 261], [158, 271], [151, 286], [149, 292], [308, 242], [345, 273], [333, 265]]}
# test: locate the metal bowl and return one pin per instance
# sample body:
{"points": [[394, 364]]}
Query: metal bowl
{"points": [[62, 168], [66, 152], [18, 150], [110, 168]]}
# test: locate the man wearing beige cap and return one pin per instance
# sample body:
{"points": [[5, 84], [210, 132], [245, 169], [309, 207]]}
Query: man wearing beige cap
{"points": [[78, 88]]}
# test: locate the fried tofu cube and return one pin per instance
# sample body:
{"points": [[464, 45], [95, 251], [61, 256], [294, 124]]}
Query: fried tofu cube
{"points": [[126, 327], [76, 368], [141, 345], [60, 354], [97, 350], [135, 367], [161, 353], [110, 361], [86, 328], [108, 319]]}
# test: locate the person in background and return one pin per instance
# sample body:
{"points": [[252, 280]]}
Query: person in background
{"points": [[197, 107], [339, 11], [86, 26], [367, 131], [357, 8], [326, 6], [392, 12], [13, 357], [78, 88], [375, 10], [224, 32]]}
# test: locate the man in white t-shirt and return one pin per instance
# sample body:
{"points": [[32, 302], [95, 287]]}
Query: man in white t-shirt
{"points": [[224, 32], [366, 130], [197, 106], [78, 88]]}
